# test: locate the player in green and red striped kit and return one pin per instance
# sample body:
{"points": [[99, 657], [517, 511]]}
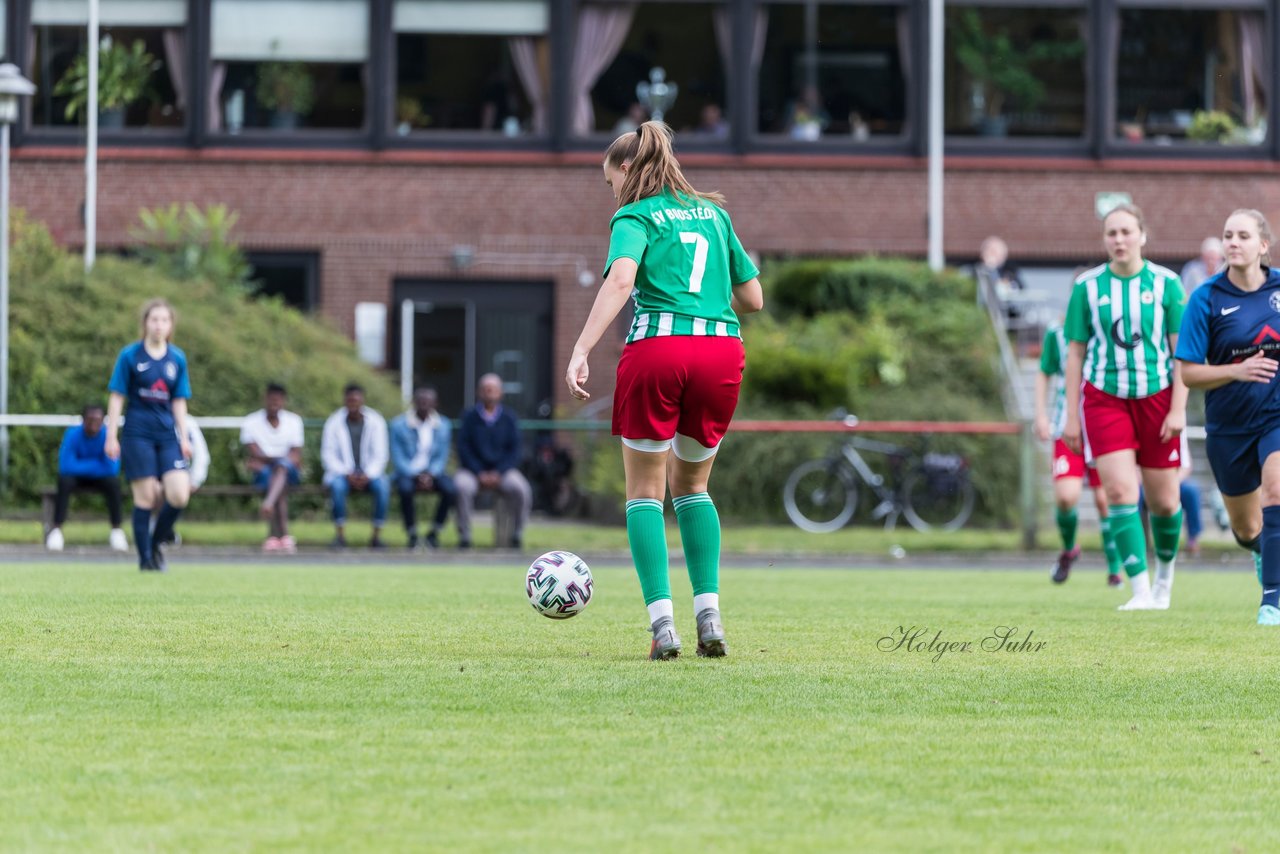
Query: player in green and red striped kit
{"points": [[674, 251], [1122, 325], [1069, 468]]}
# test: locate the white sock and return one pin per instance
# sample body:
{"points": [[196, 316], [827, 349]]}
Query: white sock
{"points": [[1141, 584], [659, 609], [705, 600], [1164, 571]]}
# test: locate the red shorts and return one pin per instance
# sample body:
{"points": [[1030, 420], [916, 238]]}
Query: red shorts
{"points": [[685, 384], [1131, 424], [1066, 463]]}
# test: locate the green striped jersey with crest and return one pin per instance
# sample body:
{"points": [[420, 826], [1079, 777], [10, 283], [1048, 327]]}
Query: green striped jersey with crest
{"points": [[688, 258], [1125, 325], [1053, 363]]}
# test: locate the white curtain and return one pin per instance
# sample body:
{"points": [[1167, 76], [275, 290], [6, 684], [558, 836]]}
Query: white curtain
{"points": [[175, 61], [722, 20], [217, 76], [1254, 67], [600, 34], [525, 56]]}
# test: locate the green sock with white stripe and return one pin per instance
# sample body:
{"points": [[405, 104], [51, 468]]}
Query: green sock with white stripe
{"points": [[1131, 540], [700, 534], [1109, 547], [647, 534]]}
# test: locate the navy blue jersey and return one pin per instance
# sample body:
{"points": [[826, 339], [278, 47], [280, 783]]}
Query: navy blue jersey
{"points": [[1221, 325], [150, 386]]}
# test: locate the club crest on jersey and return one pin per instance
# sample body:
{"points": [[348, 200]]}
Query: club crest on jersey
{"points": [[1275, 301], [170, 370], [1147, 297]]}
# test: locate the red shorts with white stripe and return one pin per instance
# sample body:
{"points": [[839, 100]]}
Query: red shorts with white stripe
{"points": [[1131, 424], [685, 384], [1067, 463]]}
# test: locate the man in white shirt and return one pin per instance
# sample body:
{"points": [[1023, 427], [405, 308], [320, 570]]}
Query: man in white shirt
{"points": [[355, 452], [272, 439]]}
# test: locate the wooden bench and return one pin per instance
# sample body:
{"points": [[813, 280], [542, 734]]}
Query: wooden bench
{"points": [[49, 496], [503, 521]]}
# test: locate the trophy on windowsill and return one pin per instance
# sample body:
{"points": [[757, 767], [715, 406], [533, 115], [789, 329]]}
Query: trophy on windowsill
{"points": [[657, 95]]}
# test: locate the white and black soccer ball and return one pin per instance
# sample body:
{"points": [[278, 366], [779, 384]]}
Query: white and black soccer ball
{"points": [[558, 585]]}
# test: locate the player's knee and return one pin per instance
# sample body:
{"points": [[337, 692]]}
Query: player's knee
{"points": [[1247, 536]]}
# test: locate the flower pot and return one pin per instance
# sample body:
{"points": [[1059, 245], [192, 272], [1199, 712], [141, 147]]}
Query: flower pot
{"points": [[994, 126], [284, 120], [111, 119]]}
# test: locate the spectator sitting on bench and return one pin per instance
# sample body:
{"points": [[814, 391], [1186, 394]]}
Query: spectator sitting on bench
{"points": [[489, 458], [272, 439], [83, 464], [419, 451], [354, 451]]}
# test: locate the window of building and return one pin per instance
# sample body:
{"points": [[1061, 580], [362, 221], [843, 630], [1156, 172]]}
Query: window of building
{"points": [[142, 63], [633, 62], [832, 71], [286, 64], [293, 277], [480, 65], [1192, 74], [1015, 72]]}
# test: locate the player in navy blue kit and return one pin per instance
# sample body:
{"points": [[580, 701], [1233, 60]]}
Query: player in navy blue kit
{"points": [[152, 375], [1229, 347]]}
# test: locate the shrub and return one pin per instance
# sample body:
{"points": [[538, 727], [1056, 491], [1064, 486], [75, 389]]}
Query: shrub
{"points": [[66, 330]]}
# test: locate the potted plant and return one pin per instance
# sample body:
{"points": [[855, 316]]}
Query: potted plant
{"points": [[285, 88], [124, 77], [1211, 126], [410, 115], [1001, 71]]}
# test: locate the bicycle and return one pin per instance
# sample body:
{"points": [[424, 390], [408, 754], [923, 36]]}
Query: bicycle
{"points": [[936, 492]]}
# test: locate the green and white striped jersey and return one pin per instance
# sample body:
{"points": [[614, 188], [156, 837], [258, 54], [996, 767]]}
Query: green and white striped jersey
{"points": [[689, 260], [1053, 363], [1125, 325]]}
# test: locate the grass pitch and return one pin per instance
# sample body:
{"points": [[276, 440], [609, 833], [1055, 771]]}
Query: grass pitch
{"points": [[395, 708]]}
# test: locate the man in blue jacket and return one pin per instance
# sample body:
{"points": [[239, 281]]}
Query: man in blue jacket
{"points": [[489, 458], [83, 464], [419, 451]]}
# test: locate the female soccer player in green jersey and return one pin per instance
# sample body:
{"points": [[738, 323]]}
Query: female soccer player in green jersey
{"points": [[1122, 328], [673, 250]]}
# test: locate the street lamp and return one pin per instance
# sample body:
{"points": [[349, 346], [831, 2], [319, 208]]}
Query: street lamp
{"points": [[12, 87]]}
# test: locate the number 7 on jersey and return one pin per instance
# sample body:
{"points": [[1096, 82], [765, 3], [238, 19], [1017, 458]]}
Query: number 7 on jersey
{"points": [[700, 249]]}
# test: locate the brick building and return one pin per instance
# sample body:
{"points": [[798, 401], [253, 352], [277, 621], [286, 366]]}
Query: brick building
{"points": [[449, 155]]}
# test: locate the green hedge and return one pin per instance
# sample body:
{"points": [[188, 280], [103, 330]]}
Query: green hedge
{"points": [[66, 330]]}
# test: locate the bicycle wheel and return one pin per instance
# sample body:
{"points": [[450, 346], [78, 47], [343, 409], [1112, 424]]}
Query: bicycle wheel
{"points": [[933, 502], [820, 496]]}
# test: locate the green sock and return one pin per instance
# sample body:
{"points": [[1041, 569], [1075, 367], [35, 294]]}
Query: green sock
{"points": [[1131, 540], [1068, 520], [1166, 531], [1109, 547], [647, 534], [700, 534]]}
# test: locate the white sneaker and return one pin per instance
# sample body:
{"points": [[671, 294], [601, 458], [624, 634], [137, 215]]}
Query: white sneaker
{"points": [[53, 542], [1161, 593], [1140, 602], [119, 542]]}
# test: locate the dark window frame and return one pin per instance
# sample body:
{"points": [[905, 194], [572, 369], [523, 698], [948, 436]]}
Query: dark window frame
{"points": [[308, 259], [1108, 146], [741, 96]]}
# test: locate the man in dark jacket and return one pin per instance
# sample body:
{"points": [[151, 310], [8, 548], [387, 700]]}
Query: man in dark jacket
{"points": [[489, 458], [83, 464]]}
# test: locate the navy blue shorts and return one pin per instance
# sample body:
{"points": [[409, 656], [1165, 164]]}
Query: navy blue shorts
{"points": [[143, 457], [1237, 460]]}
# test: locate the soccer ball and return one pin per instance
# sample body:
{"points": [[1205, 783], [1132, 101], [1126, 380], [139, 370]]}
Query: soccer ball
{"points": [[558, 585]]}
